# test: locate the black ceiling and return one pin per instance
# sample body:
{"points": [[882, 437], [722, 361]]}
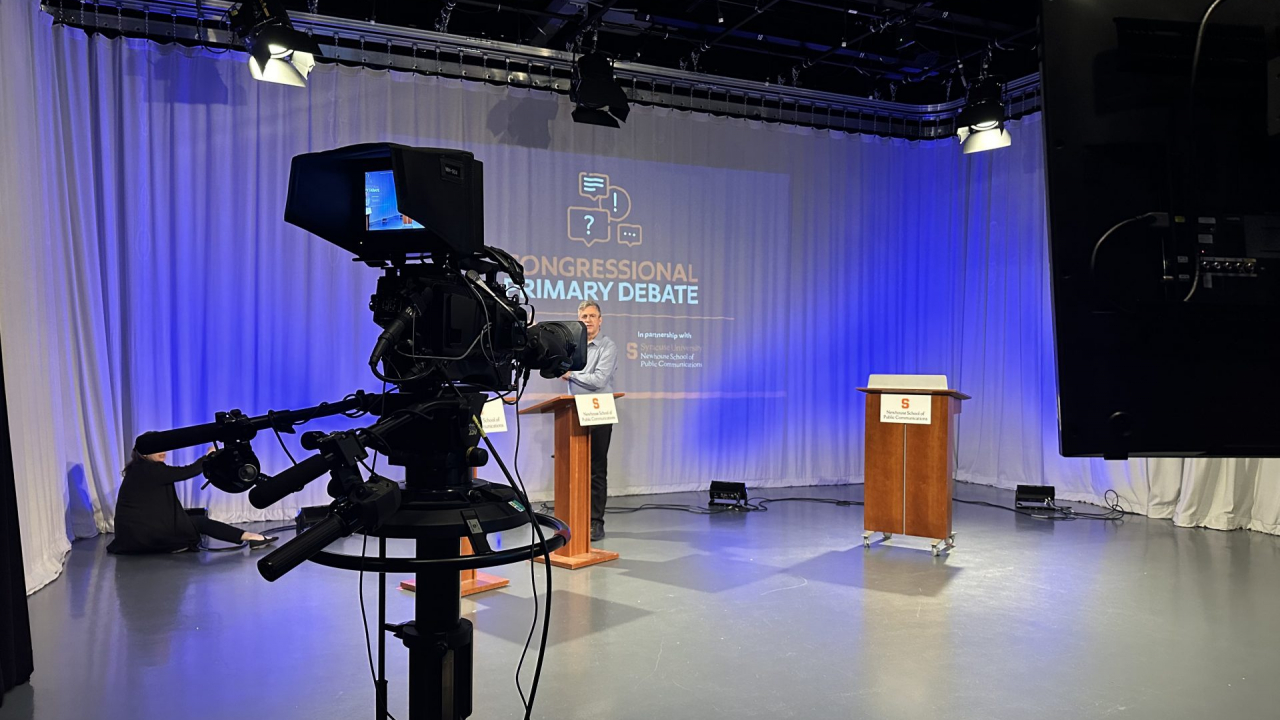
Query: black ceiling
{"points": [[890, 49]]}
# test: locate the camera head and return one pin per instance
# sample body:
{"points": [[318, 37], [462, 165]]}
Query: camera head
{"points": [[450, 307], [454, 321]]}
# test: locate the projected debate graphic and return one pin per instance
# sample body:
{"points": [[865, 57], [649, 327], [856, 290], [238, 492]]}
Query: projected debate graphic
{"points": [[688, 267], [658, 246], [591, 225], [595, 225]]}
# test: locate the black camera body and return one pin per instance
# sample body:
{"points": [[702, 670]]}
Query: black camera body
{"points": [[447, 314], [472, 339]]}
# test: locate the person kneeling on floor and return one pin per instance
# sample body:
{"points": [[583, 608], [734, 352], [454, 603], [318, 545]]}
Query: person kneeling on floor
{"points": [[151, 519]]}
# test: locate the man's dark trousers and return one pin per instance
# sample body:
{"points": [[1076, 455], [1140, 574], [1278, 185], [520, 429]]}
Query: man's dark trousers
{"points": [[600, 435]]}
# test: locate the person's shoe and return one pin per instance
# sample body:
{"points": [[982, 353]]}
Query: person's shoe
{"points": [[597, 531], [265, 541]]}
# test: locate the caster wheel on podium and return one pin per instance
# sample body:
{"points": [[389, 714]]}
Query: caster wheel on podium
{"points": [[939, 545]]}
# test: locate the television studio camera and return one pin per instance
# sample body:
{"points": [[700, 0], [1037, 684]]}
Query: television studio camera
{"points": [[451, 331]]}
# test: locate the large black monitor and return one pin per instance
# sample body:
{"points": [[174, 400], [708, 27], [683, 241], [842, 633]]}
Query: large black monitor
{"points": [[1164, 224], [383, 202]]}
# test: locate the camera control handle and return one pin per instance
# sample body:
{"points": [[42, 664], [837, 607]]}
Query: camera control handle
{"points": [[291, 480], [297, 551]]}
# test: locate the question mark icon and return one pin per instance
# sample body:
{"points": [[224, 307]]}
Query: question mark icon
{"points": [[587, 225]]}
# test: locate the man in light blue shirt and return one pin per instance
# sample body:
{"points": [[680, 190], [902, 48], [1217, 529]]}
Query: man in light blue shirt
{"points": [[596, 377]]}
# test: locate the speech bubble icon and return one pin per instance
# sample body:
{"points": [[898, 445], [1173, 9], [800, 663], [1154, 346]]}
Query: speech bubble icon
{"points": [[630, 235], [593, 185], [617, 202], [588, 225]]}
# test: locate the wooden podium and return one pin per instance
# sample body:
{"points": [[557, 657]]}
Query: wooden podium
{"points": [[573, 483], [908, 472], [473, 581]]}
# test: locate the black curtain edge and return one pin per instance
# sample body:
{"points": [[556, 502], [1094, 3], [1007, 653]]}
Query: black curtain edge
{"points": [[16, 658]]}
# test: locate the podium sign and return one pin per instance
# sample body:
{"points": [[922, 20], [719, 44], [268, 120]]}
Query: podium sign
{"points": [[494, 416], [597, 409], [907, 409]]}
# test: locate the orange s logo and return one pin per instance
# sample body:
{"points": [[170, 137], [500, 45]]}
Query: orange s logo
{"points": [[595, 403], [906, 403]]}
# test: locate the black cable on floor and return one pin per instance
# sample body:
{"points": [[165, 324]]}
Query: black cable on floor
{"points": [[229, 548], [1051, 515], [1115, 510], [547, 507], [763, 503], [244, 544], [757, 504], [279, 528], [694, 509]]}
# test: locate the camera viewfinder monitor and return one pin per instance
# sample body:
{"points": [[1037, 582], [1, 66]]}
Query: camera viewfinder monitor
{"points": [[384, 202]]}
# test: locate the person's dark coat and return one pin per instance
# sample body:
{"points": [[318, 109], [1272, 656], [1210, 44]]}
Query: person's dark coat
{"points": [[149, 517]]}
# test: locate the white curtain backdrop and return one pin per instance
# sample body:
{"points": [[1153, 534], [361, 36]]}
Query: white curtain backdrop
{"points": [[148, 280]]}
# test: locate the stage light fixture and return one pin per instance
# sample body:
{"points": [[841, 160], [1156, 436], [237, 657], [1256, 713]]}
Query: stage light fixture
{"points": [[980, 125], [596, 95], [728, 493], [1034, 496], [278, 53]]}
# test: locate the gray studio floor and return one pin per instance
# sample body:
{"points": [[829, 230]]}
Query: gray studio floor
{"points": [[773, 615]]}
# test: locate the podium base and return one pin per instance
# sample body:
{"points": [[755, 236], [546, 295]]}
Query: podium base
{"points": [[481, 582], [594, 556]]}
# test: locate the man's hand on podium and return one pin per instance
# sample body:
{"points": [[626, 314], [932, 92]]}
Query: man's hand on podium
{"points": [[565, 377]]}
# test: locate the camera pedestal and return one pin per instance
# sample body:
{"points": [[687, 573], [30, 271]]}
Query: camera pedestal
{"points": [[573, 484], [439, 639], [439, 644]]}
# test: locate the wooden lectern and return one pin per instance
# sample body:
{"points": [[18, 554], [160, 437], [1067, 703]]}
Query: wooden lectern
{"points": [[573, 483], [908, 472]]}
